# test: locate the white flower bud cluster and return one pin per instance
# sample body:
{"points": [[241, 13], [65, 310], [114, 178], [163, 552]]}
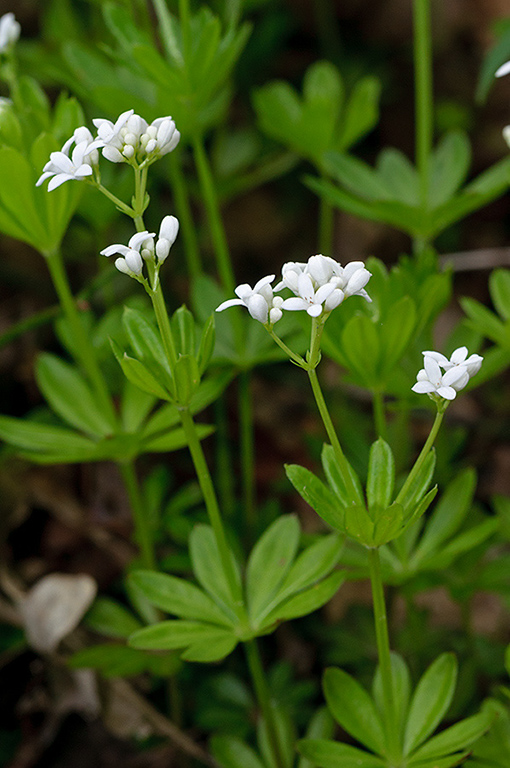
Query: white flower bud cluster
{"points": [[129, 140], [142, 247], [10, 31], [132, 139], [458, 369], [319, 286]]}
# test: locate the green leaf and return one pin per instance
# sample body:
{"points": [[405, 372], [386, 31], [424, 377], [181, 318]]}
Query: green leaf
{"points": [[499, 284], [315, 562], [19, 215], [361, 348], [204, 641], [419, 485], [183, 331], [359, 525], [357, 176], [381, 476], [308, 600], [110, 618], [208, 568], [32, 436], [401, 689], [178, 596], [70, 396], [361, 113], [269, 563], [143, 337], [111, 660], [430, 701], [388, 524], [135, 406], [449, 167], [395, 332], [186, 378], [315, 493], [353, 709], [448, 515], [458, 737], [321, 726], [336, 480], [207, 342], [231, 752], [484, 321], [173, 439], [497, 55], [397, 173], [138, 374], [465, 542], [443, 762], [324, 753]]}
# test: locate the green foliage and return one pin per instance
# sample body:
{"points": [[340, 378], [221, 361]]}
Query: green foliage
{"points": [[324, 118], [280, 584], [390, 192]]}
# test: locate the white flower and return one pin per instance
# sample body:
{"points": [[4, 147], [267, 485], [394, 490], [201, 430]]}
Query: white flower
{"points": [[79, 165], [504, 69], [459, 357], [131, 261], [132, 138], [459, 368], [322, 284], [10, 30], [430, 380], [166, 237], [259, 300]]}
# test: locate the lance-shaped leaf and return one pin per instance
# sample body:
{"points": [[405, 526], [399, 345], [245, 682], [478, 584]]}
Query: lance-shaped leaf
{"points": [[456, 738], [308, 600], [431, 699], [332, 754], [202, 642], [381, 477], [208, 568], [110, 618], [353, 709], [320, 498], [336, 479], [231, 752]]}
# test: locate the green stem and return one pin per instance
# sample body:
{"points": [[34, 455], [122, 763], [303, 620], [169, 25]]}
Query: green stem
{"points": [[84, 350], [326, 226], [422, 456], [116, 200], [185, 217], [383, 652], [143, 533], [211, 503], [158, 302], [342, 462], [247, 449], [263, 695], [293, 356], [212, 206], [423, 93], [379, 414]]}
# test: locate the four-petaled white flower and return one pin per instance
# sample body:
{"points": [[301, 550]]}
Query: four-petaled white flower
{"points": [[260, 301], [458, 369], [140, 246], [10, 30], [79, 165], [312, 299]]}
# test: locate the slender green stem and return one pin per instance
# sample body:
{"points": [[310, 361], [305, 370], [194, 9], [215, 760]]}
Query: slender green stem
{"points": [[332, 435], [114, 199], [158, 302], [143, 533], [383, 651], [211, 502], [293, 356], [423, 93], [83, 346], [326, 226], [247, 449], [422, 456], [185, 217], [264, 699], [379, 414], [211, 202]]}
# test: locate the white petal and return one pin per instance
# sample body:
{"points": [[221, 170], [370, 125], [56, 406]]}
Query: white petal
{"points": [[423, 386], [461, 383], [258, 307], [351, 268], [432, 368], [438, 357], [305, 287], [115, 248], [137, 240], [504, 69], [230, 303], [358, 281], [315, 310], [323, 292], [112, 154], [295, 303], [169, 228], [262, 282], [122, 266], [134, 262], [459, 355], [447, 392], [244, 291], [334, 300], [59, 179], [275, 314], [453, 375]]}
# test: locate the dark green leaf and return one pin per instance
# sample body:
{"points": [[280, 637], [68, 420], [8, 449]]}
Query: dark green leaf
{"points": [[231, 752], [208, 568], [110, 618], [336, 480], [399, 174], [32, 436], [449, 167], [381, 477], [499, 283], [401, 690], [308, 600], [324, 753], [315, 493], [458, 737]]}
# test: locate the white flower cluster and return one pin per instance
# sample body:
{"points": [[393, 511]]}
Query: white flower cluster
{"points": [[9, 31], [319, 286], [457, 372], [129, 140], [142, 247]]}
